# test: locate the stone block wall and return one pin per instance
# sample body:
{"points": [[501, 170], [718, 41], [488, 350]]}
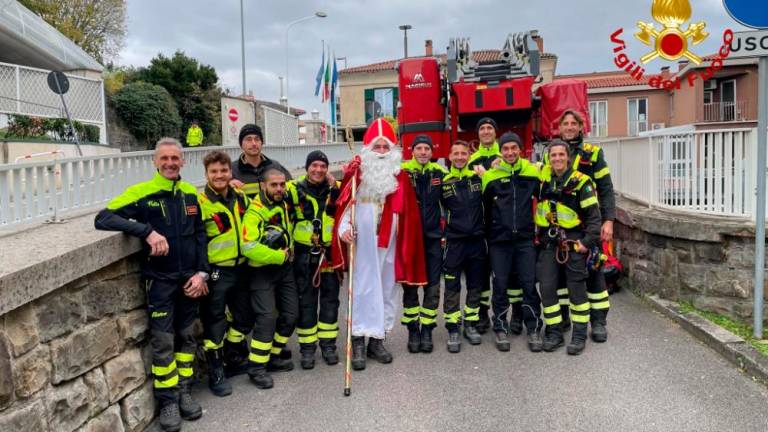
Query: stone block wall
{"points": [[705, 260], [76, 359]]}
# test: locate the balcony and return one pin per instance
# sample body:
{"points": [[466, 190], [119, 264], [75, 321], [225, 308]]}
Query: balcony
{"points": [[728, 111]]}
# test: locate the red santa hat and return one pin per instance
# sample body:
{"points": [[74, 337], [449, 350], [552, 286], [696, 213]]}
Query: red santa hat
{"points": [[380, 128]]}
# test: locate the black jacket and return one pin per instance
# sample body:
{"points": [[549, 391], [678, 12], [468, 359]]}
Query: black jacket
{"points": [[251, 175], [170, 208], [462, 201], [427, 182], [508, 193]]}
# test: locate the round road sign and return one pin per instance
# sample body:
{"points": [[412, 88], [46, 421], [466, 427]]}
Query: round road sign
{"points": [[233, 116]]}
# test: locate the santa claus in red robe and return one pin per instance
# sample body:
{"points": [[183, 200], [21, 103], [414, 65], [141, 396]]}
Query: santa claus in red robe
{"points": [[388, 240]]}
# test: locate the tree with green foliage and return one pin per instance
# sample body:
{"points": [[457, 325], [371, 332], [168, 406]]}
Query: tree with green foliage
{"points": [[193, 86], [96, 26], [149, 111]]}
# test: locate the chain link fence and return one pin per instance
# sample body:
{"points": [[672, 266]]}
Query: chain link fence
{"points": [[280, 128]]}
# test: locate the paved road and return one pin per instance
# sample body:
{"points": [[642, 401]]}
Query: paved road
{"points": [[650, 376]]}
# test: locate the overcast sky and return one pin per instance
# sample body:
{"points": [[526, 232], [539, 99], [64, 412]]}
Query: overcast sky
{"points": [[366, 31]]}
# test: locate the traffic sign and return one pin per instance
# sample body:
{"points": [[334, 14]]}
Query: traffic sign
{"points": [[749, 44], [58, 82], [751, 13], [233, 115]]}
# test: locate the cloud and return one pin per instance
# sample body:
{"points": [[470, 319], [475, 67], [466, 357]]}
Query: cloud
{"points": [[366, 31]]}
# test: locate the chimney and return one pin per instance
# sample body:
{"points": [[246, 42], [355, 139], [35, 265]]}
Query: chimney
{"points": [[539, 40], [665, 72], [681, 64], [428, 47]]}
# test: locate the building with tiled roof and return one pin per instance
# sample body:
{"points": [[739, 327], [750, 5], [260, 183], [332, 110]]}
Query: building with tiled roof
{"points": [[620, 105], [360, 86]]}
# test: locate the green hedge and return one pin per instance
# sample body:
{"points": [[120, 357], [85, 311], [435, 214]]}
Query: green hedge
{"points": [[56, 129], [148, 110]]}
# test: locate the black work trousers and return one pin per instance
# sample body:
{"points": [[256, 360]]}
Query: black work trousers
{"points": [[548, 272], [468, 256], [516, 258], [425, 312], [318, 305], [272, 289], [227, 289], [171, 318]]}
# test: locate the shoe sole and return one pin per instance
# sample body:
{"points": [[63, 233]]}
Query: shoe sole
{"points": [[453, 350], [192, 417], [473, 342], [358, 368], [221, 393], [426, 349], [553, 348], [331, 362], [170, 428], [263, 387], [308, 366], [535, 348], [382, 361], [413, 349], [599, 338], [574, 351]]}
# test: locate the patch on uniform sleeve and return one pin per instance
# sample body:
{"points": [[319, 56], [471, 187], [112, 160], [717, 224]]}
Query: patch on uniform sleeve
{"points": [[588, 188], [191, 210]]}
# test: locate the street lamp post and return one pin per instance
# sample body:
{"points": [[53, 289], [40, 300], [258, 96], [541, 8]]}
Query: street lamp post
{"points": [[242, 43], [285, 37], [405, 28]]}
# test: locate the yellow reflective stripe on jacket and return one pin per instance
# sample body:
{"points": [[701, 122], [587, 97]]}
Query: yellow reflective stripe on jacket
{"points": [[588, 202], [602, 173], [223, 247]]}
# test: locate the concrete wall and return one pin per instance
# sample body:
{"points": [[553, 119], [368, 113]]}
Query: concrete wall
{"points": [[73, 338], [705, 260]]}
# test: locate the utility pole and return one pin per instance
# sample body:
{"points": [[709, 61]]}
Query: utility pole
{"points": [[405, 28]]}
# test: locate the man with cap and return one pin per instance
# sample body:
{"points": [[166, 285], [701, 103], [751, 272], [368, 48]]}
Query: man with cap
{"points": [[387, 235], [508, 193], [480, 161], [427, 179], [313, 198], [247, 171]]}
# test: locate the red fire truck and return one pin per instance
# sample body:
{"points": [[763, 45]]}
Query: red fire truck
{"points": [[446, 103]]}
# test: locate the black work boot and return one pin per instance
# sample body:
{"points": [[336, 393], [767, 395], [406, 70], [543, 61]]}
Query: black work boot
{"points": [[328, 350], [278, 364], [516, 320], [286, 353], [188, 407], [235, 358], [308, 356], [454, 341], [565, 312], [535, 343], [170, 419], [217, 382], [414, 337], [425, 344], [500, 329], [471, 334], [484, 323], [377, 351], [578, 339], [358, 352], [260, 377], [553, 338], [598, 321]]}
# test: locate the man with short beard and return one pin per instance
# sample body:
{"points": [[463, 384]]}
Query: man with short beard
{"points": [[388, 239]]}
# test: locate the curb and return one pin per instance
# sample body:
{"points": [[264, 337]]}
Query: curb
{"points": [[732, 347]]}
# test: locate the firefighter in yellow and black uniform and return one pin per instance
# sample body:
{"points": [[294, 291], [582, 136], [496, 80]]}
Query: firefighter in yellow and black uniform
{"points": [[223, 208], [568, 224], [267, 244], [313, 198]]}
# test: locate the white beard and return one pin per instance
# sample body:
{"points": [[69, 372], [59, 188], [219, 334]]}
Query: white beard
{"points": [[379, 173]]}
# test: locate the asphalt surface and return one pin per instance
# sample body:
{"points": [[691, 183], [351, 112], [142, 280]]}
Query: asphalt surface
{"points": [[650, 376]]}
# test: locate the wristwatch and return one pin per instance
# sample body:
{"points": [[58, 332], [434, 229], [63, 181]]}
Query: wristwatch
{"points": [[203, 275]]}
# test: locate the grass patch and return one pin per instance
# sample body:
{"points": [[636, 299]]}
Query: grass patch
{"points": [[738, 328]]}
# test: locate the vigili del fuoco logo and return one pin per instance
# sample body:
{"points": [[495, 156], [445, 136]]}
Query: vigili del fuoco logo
{"points": [[669, 42]]}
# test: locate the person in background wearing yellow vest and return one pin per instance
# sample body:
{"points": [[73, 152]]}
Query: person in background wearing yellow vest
{"points": [[508, 193], [480, 161], [568, 223], [589, 159], [427, 180], [313, 198], [194, 135], [223, 209], [267, 244]]}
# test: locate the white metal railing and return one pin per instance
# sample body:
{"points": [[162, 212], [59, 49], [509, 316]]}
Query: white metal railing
{"points": [[727, 111], [708, 171], [38, 191]]}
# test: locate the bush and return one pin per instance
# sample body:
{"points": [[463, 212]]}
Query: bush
{"points": [[21, 126], [148, 110]]}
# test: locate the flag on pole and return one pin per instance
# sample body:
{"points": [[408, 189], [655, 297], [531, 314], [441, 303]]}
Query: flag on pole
{"points": [[327, 79], [319, 76], [334, 85]]}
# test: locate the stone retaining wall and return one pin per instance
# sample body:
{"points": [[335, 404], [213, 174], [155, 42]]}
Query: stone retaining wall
{"points": [[706, 260], [75, 358]]}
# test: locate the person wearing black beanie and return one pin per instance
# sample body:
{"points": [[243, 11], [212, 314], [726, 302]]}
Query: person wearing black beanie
{"points": [[247, 170], [316, 155]]}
